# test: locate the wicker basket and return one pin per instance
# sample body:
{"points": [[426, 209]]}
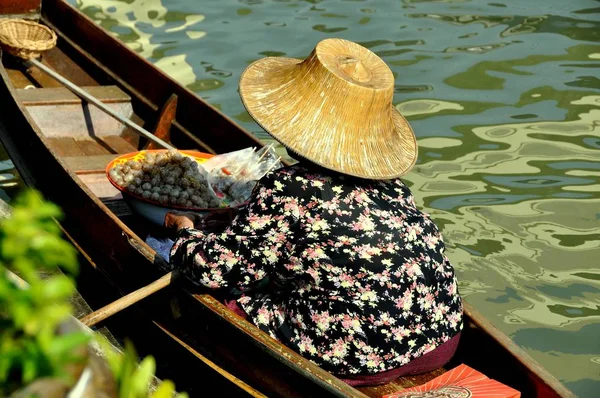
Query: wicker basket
{"points": [[25, 39]]}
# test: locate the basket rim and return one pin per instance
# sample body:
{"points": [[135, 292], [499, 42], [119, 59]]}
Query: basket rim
{"points": [[26, 44]]}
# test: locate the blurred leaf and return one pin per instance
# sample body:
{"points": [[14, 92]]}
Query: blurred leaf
{"points": [[165, 390], [57, 287], [30, 345], [29, 369], [31, 243], [63, 344], [140, 380], [127, 368]]}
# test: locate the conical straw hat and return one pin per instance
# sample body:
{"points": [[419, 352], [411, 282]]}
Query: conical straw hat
{"points": [[334, 108]]}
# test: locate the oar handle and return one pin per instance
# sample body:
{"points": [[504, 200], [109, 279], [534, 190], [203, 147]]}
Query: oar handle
{"points": [[132, 298], [90, 98]]}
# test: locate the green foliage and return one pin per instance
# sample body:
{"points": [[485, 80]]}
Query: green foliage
{"points": [[30, 345], [133, 380]]}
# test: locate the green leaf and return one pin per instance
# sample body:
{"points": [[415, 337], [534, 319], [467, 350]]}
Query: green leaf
{"points": [[127, 368], [142, 376], [30, 369], [57, 287], [63, 344], [165, 390]]}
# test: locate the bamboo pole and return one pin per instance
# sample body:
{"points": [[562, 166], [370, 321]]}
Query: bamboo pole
{"points": [[116, 306]]}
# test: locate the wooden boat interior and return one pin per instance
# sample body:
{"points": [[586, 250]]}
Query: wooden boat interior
{"points": [[85, 140]]}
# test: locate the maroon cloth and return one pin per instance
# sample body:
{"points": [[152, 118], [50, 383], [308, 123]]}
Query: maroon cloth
{"points": [[426, 363], [432, 360], [234, 306]]}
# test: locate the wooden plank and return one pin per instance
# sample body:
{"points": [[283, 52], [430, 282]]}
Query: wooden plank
{"points": [[18, 79], [21, 8], [65, 146], [83, 164], [100, 186], [67, 67], [117, 144], [63, 96], [130, 299], [92, 147], [40, 77], [59, 113]]}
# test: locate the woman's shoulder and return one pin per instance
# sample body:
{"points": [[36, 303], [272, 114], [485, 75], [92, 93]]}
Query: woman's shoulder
{"points": [[298, 172], [298, 181]]}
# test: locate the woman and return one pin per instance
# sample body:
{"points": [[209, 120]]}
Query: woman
{"points": [[331, 255]]}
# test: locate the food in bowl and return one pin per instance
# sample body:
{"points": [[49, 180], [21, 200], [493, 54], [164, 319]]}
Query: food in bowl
{"points": [[169, 178]]}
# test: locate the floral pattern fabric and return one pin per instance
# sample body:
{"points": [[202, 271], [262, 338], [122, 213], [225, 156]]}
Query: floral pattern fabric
{"points": [[347, 272]]}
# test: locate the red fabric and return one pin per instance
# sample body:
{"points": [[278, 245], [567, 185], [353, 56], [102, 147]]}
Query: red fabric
{"points": [[432, 360], [235, 307]]}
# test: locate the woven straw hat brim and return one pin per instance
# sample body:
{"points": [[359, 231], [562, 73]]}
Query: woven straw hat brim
{"points": [[323, 126]]}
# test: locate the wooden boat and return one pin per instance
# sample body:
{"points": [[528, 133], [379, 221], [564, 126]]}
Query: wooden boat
{"points": [[61, 147]]}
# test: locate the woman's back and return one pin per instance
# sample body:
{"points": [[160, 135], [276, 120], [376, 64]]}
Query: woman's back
{"points": [[364, 285]]}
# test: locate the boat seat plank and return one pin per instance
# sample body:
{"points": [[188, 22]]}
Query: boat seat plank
{"points": [[65, 146], [92, 147], [62, 95], [71, 147], [88, 164], [60, 113], [98, 183], [117, 144]]}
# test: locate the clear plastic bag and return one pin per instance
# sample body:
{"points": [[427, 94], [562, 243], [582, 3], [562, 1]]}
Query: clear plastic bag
{"points": [[232, 176]]}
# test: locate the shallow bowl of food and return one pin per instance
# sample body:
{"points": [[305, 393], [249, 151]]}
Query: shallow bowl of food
{"points": [[154, 182]]}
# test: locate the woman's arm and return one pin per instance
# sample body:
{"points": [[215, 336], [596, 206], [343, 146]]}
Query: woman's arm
{"points": [[246, 252]]}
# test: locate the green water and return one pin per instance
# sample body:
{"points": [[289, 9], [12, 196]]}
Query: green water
{"points": [[504, 97]]}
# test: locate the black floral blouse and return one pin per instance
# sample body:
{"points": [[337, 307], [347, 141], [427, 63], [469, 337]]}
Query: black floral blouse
{"points": [[356, 276]]}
